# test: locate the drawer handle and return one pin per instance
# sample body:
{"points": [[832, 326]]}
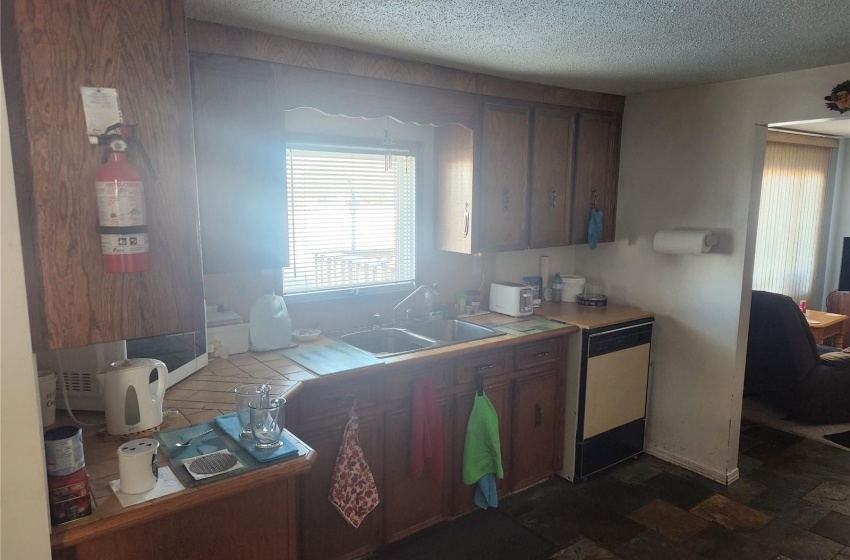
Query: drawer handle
{"points": [[341, 400], [480, 369], [538, 415], [541, 354]]}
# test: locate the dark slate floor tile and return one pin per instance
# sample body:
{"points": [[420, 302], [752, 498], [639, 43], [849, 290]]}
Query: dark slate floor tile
{"points": [[816, 460], [633, 472], [585, 549], [797, 543], [612, 493], [790, 483], [843, 554], [717, 543], [652, 546], [608, 528], [771, 451], [669, 521], [747, 464], [742, 490], [788, 508], [835, 526], [678, 491]]}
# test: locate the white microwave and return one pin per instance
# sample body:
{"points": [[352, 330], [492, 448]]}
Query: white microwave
{"points": [[183, 354]]}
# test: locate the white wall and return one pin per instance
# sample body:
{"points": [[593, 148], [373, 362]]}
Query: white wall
{"points": [[840, 224], [690, 158], [24, 523]]}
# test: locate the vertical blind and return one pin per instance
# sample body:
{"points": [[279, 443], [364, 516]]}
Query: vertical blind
{"points": [[793, 190], [351, 220]]}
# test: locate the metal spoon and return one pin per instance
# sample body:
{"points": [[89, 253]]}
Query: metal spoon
{"points": [[188, 442]]}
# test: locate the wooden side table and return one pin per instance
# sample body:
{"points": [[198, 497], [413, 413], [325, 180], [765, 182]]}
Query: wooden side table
{"points": [[827, 325]]}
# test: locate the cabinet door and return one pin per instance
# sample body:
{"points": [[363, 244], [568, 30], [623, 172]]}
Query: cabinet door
{"points": [[139, 48], [499, 395], [503, 221], [453, 146], [411, 504], [241, 159], [597, 156], [552, 178], [535, 430], [325, 534]]}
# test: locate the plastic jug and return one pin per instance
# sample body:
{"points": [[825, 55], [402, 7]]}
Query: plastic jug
{"points": [[271, 327]]}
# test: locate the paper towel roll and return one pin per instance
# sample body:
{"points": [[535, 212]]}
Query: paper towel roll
{"points": [[683, 242], [544, 271]]}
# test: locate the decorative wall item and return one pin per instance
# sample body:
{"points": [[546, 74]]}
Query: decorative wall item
{"points": [[839, 99]]}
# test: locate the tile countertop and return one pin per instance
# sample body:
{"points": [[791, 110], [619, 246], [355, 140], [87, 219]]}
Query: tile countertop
{"points": [[209, 393], [586, 317]]}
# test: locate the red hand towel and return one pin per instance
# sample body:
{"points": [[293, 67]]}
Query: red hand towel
{"points": [[426, 431]]}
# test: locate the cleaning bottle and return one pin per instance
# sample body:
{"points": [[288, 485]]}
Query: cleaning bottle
{"points": [[271, 327], [557, 288]]}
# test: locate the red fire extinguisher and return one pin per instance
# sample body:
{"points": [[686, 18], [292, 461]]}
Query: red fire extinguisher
{"points": [[121, 207]]}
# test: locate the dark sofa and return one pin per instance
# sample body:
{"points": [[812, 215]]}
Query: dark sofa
{"points": [[783, 365]]}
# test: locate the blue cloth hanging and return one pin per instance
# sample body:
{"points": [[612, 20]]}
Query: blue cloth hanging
{"points": [[594, 227]]}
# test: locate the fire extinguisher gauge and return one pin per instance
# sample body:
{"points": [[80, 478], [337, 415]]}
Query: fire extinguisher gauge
{"points": [[118, 145]]}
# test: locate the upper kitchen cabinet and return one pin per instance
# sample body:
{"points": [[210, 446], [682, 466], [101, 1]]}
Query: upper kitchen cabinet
{"points": [[597, 156], [241, 157], [502, 221], [553, 147], [453, 146], [51, 49]]}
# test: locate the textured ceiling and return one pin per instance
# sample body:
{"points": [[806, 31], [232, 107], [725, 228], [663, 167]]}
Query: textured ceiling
{"points": [[614, 46]]}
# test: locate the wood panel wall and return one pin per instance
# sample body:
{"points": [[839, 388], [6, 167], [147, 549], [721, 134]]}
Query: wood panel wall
{"points": [[205, 37], [50, 49]]}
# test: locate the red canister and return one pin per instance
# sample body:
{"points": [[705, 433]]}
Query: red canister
{"points": [[70, 496]]}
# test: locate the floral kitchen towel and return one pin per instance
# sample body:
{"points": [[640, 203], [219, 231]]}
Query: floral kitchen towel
{"points": [[353, 492]]}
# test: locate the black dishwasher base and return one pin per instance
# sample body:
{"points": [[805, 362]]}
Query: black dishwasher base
{"points": [[608, 449]]}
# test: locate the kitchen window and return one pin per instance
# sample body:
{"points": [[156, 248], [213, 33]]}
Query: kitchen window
{"points": [[351, 212]]}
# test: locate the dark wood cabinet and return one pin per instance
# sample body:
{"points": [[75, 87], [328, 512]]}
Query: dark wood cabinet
{"points": [[597, 158], [50, 49], [325, 534], [503, 200], [412, 504], [241, 156], [499, 394], [534, 427], [553, 148], [453, 147]]}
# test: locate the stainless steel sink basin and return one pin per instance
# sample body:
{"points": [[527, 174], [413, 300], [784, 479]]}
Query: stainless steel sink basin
{"points": [[411, 337], [387, 341], [451, 330]]}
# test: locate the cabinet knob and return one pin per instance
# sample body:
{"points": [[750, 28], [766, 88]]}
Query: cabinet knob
{"points": [[465, 220], [484, 367], [507, 201], [541, 354], [553, 197]]}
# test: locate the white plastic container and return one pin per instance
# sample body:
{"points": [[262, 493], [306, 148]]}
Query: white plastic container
{"points": [[232, 339], [47, 395], [573, 287], [271, 327]]}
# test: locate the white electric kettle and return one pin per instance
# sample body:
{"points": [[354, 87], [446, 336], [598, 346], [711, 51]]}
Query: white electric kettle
{"points": [[132, 394]]}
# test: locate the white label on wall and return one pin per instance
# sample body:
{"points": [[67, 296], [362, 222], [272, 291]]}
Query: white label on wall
{"points": [[101, 108]]}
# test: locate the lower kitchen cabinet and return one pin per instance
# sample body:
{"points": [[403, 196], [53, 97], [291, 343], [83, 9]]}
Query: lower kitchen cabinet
{"points": [[325, 534], [524, 381], [412, 504], [534, 449], [499, 395]]}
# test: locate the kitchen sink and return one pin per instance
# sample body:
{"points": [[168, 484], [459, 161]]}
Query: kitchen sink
{"points": [[387, 341], [411, 337], [451, 330]]}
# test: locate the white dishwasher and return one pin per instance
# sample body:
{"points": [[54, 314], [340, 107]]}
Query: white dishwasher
{"points": [[607, 379]]}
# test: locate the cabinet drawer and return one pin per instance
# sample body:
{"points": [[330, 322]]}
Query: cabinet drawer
{"points": [[538, 353], [330, 400], [490, 364], [398, 385]]}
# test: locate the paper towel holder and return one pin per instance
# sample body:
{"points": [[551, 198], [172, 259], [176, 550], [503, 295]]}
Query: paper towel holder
{"points": [[685, 241]]}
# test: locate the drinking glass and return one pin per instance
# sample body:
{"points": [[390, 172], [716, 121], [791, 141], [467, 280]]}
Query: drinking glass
{"points": [[244, 395], [267, 422]]}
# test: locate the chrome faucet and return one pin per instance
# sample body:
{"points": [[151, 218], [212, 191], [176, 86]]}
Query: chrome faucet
{"points": [[422, 288]]}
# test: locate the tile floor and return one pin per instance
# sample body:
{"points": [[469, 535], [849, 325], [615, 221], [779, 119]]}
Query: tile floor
{"points": [[792, 502]]}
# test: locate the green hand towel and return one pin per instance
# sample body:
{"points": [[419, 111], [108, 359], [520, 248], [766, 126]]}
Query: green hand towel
{"points": [[482, 453]]}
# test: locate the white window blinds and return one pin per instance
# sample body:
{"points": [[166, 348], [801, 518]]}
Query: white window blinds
{"points": [[793, 189], [351, 220]]}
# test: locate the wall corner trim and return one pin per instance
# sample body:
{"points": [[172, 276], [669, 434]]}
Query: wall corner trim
{"points": [[725, 478]]}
